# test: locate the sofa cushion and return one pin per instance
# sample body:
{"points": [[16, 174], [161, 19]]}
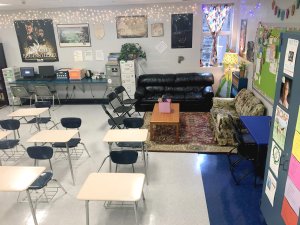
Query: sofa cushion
{"points": [[249, 104], [240, 100]]}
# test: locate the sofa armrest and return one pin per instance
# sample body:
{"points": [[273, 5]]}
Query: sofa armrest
{"points": [[221, 102], [208, 92], [139, 92]]}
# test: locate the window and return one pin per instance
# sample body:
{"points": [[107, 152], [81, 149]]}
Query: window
{"points": [[224, 39]]}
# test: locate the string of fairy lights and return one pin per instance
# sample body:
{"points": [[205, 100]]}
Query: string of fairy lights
{"points": [[95, 16]]}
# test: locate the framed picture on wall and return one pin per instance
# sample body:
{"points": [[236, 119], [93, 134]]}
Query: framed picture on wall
{"points": [[74, 35], [157, 29], [132, 26], [36, 40], [182, 30], [243, 34]]}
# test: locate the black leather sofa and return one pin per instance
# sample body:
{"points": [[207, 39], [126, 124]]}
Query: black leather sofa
{"points": [[193, 91]]}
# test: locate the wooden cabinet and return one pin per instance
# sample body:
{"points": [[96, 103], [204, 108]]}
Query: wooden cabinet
{"points": [[238, 83]]}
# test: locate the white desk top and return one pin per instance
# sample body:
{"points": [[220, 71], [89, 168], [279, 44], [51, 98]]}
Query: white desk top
{"points": [[126, 135], [112, 187], [4, 134], [27, 112], [53, 136], [18, 178]]}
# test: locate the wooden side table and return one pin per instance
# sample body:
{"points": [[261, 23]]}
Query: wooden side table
{"points": [[238, 83]]}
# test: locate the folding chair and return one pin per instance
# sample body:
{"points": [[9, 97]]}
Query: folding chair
{"points": [[127, 101], [113, 121], [118, 108], [20, 92], [43, 92]]}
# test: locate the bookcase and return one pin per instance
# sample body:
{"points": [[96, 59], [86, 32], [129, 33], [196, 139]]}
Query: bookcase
{"points": [[238, 83]]}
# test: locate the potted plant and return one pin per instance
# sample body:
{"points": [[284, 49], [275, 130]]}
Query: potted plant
{"points": [[131, 51], [242, 68]]}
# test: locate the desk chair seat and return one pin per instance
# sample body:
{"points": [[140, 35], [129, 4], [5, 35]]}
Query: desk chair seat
{"points": [[71, 144], [41, 181], [8, 144], [11, 144], [43, 120]]}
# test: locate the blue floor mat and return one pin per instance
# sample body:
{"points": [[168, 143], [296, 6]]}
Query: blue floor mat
{"points": [[228, 203]]}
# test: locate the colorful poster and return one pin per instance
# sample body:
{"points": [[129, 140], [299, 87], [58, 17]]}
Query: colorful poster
{"points": [[288, 214], [243, 35], [280, 126], [294, 171], [271, 185], [292, 194], [275, 158], [290, 57], [296, 146], [36, 40]]}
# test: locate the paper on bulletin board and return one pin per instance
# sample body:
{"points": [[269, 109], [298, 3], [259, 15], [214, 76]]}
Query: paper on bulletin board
{"points": [[294, 171], [288, 214], [258, 65], [271, 186], [275, 158], [296, 146], [88, 55], [270, 53], [273, 67], [78, 56], [290, 56], [292, 194], [280, 126]]}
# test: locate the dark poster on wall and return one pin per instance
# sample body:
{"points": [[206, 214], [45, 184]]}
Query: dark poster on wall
{"points": [[36, 40], [182, 30]]}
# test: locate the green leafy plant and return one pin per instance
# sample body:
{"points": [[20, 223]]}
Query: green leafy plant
{"points": [[242, 66], [130, 51]]}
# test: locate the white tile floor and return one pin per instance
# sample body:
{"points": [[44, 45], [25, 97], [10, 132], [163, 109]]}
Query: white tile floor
{"points": [[174, 196]]}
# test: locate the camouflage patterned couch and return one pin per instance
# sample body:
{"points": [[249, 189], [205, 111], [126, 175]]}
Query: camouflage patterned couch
{"points": [[244, 104]]}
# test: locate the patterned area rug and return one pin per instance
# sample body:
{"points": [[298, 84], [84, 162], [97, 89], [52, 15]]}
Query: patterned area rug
{"points": [[195, 135]]}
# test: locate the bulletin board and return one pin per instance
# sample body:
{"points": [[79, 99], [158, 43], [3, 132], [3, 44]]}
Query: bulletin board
{"points": [[266, 60]]}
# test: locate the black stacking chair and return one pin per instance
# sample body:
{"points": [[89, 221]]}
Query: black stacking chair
{"points": [[71, 123], [10, 144], [246, 149], [127, 101], [42, 153], [118, 107], [43, 120], [113, 121], [124, 157]]}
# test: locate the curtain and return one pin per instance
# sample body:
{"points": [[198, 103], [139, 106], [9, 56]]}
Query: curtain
{"points": [[215, 16]]}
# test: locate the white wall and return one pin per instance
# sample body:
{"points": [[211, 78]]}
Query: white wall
{"points": [[156, 62]]}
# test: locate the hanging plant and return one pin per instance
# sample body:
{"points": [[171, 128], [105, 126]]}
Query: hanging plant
{"points": [[131, 51]]}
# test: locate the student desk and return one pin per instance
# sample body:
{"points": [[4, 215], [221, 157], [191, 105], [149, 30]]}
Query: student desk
{"points": [[121, 187], [51, 136], [19, 178], [127, 135], [29, 112], [4, 134]]}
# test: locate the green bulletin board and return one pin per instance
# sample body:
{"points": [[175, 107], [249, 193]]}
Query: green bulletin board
{"points": [[267, 54]]}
